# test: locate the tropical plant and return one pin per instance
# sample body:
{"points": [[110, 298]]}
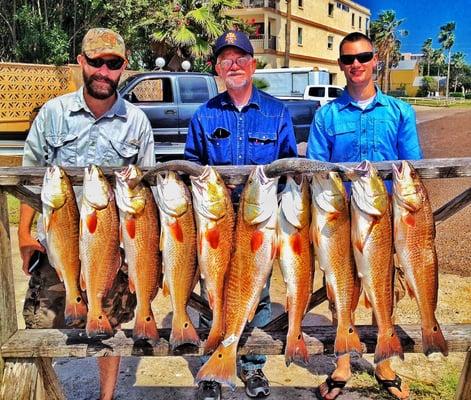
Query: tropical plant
{"points": [[384, 32], [427, 52], [426, 87], [447, 39], [438, 60], [457, 62], [187, 29]]}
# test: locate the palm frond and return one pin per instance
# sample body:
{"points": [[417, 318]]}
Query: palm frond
{"points": [[184, 36]]}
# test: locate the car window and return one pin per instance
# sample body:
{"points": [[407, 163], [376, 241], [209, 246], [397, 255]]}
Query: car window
{"points": [[317, 91], [158, 90], [335, 92], [193, 89]]}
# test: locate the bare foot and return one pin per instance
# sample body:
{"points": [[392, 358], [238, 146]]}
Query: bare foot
{"points": [[342, 373]]}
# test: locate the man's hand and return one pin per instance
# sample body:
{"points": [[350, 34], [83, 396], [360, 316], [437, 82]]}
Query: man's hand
{"points": [[28, 245]]}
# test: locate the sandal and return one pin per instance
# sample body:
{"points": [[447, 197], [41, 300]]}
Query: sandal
{"points": [[386, 384], [331, 384]]}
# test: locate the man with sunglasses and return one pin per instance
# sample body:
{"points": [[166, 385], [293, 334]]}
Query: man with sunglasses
{"points": [[242, 126], [363, 124], [93, 125]]}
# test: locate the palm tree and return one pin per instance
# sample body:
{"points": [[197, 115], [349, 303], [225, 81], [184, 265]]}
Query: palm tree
{"points": [[427, 52], [385, 32], [447, 39], [458, 62], [438, 60], [188, 28]]}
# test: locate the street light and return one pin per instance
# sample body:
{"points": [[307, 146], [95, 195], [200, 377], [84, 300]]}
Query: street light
{"points": [[159, 63], [186, 65]]}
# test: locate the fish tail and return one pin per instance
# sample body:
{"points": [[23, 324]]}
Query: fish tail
{"points": [[433, 340], [75, 313], [221, 366], [98, 326], [388, 346], [296, 349], [183, 331], [145, 327], [347, 340]]}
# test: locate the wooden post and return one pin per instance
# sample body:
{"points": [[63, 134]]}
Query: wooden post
{"points": [[8, 323], [464, 386]]}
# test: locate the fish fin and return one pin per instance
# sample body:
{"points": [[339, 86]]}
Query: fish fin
{"points": [[132, 287], [211, 301], [75, 312], [433, 340], [221, 366], [296, 243], [330, 292], [183, 331], [387, 346], [83, 285], [196, 277], [358, 245], [176, 230], [252, 312], [278, 248], [256, 241], [410, 291], [99, 326], [367, 301], [145, 327], [165, 288], [212, 236], [92, 221], [295, 349], [131, 227], [409, 219], [332, 216], [49, 220], [315, 236], [347, 340], [274, 249], [287, 304], [59, 274]]}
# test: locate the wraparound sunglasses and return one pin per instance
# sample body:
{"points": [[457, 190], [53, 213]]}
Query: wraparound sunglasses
{"points": [[113, 64], [349, 59]]}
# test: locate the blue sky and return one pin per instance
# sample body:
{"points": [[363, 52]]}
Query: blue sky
{"points": [[424, 18]]}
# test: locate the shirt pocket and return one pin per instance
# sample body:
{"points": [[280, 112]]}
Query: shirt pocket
{"points": [[61, 149], [122, 153], [345, 141], [219, 148], [262, 147], [385, 138]]}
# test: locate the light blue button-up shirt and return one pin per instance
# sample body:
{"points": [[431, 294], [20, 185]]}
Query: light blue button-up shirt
{"points": [[386, 130], [66, 133]]}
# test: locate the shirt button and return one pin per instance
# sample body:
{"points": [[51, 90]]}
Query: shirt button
{"points": [[240, 156], [240, 137]]}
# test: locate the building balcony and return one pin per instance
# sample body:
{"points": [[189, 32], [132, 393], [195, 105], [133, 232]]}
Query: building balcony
{"points": [[263, 42], [258, 3]]}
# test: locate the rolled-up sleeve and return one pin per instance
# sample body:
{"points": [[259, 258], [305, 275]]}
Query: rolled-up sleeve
{"points": [[35, 144], [194, 145], [318, 144], [286, 136], [408, 140]]}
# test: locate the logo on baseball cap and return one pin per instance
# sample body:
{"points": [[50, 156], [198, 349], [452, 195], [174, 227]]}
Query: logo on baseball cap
{"points": [[101, 41], [235, 39]]}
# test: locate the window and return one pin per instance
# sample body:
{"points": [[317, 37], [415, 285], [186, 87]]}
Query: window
{"points": [[331, 10], [339, 5], [300, 36], [345, 8], [335, 92], [193, 89], [359, 22], [353, 19], [300, 3], [317, 91], [153, 91], [367, 26], [330, 42]]}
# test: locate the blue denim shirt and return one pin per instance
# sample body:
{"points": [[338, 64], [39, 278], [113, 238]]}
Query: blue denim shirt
{"points": [[220, 134], [386, 130]]}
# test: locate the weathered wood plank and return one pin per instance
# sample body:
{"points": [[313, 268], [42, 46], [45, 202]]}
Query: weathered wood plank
{"points": [[428, 168], [26, 196], [463, 392], [201, 305], [48, 386], [8, 323], [19, 379], [319, 340], [452, 207]]}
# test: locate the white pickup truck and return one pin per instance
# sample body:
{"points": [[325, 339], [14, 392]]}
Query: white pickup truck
{"points": [[322, 93]]}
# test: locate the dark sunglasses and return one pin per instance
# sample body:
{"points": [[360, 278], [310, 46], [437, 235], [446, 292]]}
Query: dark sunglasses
{"points": [[349, 59], [113, 63]]}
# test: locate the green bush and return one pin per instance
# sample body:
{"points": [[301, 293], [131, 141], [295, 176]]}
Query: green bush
{"points": [[456, 94], [467, 96]]}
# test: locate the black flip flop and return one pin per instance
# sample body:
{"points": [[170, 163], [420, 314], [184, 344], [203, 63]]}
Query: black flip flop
{"points": [[390, 383], [331, 384]]}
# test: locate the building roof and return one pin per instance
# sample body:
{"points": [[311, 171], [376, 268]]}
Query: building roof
{"points": [[406, 65]]}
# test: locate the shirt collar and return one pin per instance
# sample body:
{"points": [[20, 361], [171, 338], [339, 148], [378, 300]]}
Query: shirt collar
{"points": [[118, 109], [254, 99], [345, 100]]}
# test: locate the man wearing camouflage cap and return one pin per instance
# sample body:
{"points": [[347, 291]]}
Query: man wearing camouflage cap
{"points": [[93, 125]]}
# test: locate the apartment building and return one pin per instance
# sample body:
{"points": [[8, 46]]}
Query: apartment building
{"points": [[302, 33]]}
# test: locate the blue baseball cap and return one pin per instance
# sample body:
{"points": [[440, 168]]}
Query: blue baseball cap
{"points": [[235, 39]]}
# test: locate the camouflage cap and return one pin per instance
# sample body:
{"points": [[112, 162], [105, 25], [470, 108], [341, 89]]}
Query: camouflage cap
{"points": [[101, 41]]}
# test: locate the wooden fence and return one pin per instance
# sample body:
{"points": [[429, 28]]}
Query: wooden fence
{"points": [[25, 355]]}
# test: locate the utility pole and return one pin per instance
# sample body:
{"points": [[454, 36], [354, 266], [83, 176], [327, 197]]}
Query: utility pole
{"points": [[287, 33]]}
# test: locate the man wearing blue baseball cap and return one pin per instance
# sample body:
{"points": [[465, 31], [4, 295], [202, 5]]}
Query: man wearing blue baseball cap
{"points": [[242, 126]]}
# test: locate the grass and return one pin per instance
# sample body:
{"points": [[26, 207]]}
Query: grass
{"points": [[13, 210]]}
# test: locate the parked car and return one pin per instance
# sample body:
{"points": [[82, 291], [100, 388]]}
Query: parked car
{"points": [[322, 93], [170, 99]]}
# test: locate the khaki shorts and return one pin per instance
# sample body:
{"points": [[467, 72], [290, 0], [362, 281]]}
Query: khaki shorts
{"points": [[45, 300]]}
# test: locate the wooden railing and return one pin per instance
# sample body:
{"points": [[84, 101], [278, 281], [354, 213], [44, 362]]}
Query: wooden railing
{"points": [[25, 355]]}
